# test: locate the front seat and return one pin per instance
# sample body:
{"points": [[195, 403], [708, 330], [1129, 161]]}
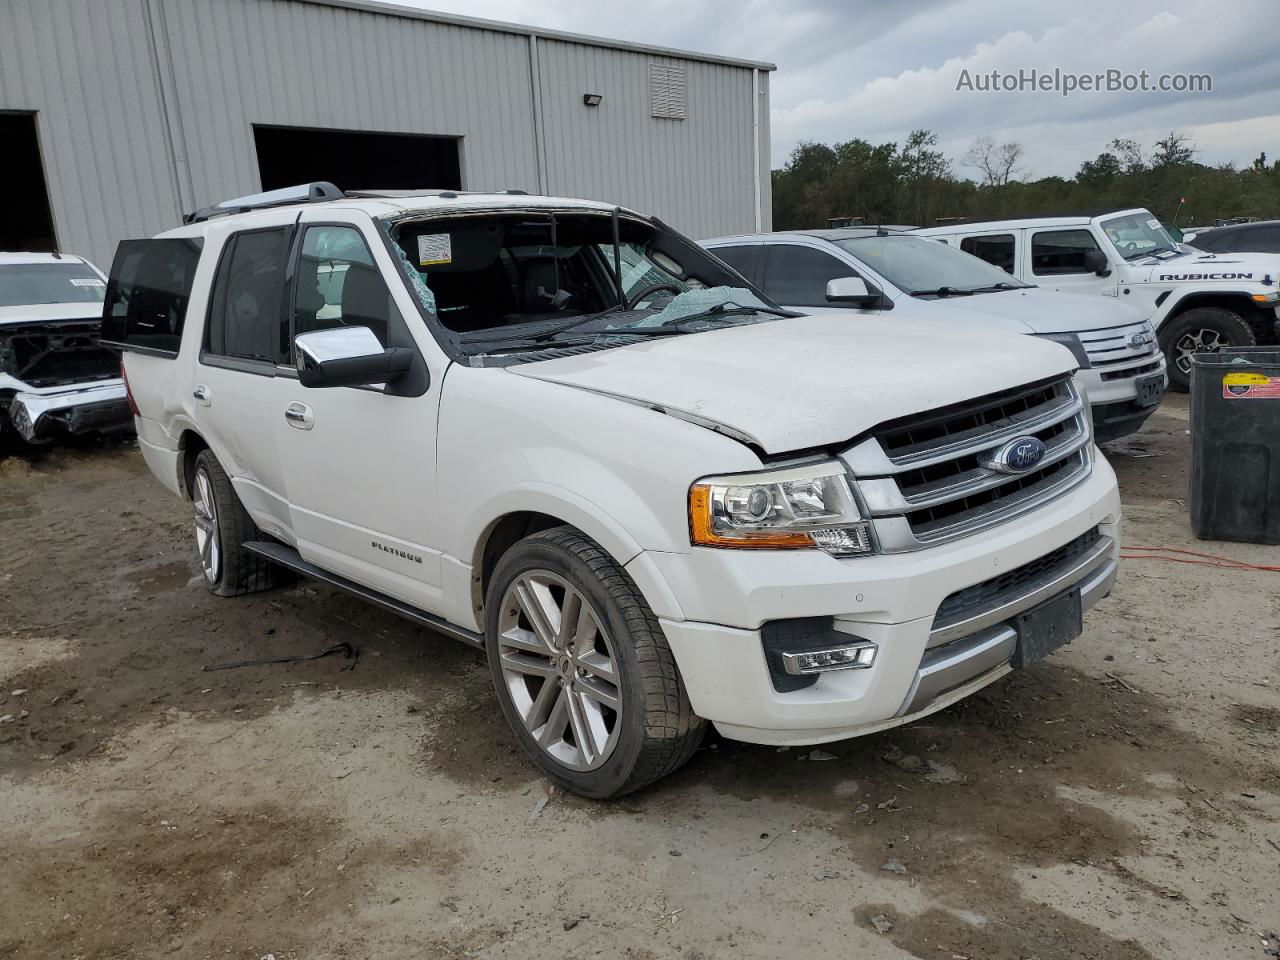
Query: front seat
{"points": [[366, 301]]}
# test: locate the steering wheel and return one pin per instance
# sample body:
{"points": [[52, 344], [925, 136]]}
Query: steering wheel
{"points": [[644, 292]]}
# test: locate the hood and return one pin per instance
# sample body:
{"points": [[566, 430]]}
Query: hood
{"points": [[1039, 311], [1210, 268], [42, 312], [812, 381]]}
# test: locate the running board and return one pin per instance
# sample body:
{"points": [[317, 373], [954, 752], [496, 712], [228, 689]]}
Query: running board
{"points": [[292, 560]]}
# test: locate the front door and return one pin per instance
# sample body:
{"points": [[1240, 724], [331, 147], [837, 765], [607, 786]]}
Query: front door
{"points": [[1054, 260], [796, 275], [360, 461]]}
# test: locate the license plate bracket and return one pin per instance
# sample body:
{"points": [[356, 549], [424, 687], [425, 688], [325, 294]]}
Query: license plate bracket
{"points": [[1046, 627], [1150, 389]]}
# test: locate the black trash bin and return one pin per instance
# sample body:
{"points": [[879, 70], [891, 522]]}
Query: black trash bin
{"points": [[1235, 445]]}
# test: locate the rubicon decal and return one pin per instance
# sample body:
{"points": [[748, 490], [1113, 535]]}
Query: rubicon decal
{"points": [[1206, 276], [402, 554]]}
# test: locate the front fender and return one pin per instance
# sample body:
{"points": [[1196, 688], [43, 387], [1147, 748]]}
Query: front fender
{"points": [[1188, 296], [617, 471]]}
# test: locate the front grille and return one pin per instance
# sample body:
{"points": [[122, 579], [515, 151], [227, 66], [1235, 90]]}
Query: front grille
{"points": [[1125, 374], [923, 478], [1112, 345], [1012, 583]]}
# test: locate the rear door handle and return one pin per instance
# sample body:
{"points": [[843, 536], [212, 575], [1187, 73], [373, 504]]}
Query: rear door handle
{"points": [[299, 416], [202, 395]]}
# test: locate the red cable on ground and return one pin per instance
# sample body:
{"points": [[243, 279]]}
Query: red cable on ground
{"points": [[1205, 559]]}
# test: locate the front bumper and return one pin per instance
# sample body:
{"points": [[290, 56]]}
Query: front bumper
{"points": [[41, 413], [888, 600], [1113, 397]]}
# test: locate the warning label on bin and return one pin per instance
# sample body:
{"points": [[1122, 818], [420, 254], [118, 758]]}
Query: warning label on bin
{"points": [[1250, 386]]}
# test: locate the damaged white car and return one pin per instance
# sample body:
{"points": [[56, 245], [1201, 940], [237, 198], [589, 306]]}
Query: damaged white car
{"points": [[55, 377], [561, 432]]}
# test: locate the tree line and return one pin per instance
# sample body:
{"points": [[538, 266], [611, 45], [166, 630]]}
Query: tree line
{"points": [[914, 183]]}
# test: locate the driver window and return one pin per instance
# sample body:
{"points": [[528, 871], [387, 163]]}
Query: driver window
{"points": [[339, 285], [1061, 251]]}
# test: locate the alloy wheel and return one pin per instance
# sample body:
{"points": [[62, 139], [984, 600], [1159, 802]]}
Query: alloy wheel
{"points": [[207, 540], [1197, 341], [559, 668]]}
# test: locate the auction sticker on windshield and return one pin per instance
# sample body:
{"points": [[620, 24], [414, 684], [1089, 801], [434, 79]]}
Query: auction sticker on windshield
{"points": [[434, 248], [1250, 386]]}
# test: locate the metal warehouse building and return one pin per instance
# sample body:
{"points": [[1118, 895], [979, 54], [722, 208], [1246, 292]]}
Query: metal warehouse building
{"points": [[117, 116]]}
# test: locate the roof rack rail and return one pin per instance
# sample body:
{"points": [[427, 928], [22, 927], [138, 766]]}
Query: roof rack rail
{"points": [[316, 192]]}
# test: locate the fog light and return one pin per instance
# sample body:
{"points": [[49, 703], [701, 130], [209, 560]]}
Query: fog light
{"points": [[854, 657]]}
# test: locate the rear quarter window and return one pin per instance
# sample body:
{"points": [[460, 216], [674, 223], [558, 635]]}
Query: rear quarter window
{"points": [[147, 294]]}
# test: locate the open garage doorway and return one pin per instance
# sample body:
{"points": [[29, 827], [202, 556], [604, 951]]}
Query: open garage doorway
{"points": [[28, 222], [356, 160]]}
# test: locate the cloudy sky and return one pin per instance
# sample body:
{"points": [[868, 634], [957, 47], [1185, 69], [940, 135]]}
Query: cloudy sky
{"points": [[876, 70]]}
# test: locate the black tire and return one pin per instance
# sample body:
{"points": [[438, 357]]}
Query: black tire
{"points": [[1179, 333], [236, 570], [657, 730]]}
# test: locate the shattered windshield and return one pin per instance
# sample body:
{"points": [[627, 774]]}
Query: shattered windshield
{"points": [[25, 284], [521, 281]]}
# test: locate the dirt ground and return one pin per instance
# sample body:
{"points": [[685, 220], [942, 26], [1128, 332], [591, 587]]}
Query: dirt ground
{"points": [[1120, 800]]}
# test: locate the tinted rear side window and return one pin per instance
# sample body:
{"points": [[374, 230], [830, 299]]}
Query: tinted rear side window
{"points": [[246, 310], [797, 276], [147, 294], [1061, 251], [745, 259], [997, 250]]}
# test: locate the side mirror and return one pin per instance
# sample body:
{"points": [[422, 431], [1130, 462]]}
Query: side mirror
{"points": [[851, 290], [347, 357], [1095, 261]]}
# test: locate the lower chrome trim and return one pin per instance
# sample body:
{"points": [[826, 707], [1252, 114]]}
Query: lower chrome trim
{"points": [[943, 670]]}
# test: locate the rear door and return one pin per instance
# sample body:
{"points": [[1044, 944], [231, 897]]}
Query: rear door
{"points": [[360, 461], [796, 275], [237, 375]]}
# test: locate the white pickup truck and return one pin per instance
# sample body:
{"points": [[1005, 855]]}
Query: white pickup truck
{"points": [[1198, 302], [561, 432], [894, 274], [55, 378]]}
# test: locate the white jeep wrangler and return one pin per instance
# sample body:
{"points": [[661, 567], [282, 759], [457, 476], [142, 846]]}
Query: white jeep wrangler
{"points": [[1198, 302], [563, 433]]}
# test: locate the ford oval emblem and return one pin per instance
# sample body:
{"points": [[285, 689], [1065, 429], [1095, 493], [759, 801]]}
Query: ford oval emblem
{"points": [[1017, 456], [1140, 340]]}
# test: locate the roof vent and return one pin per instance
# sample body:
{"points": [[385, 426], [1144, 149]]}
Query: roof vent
{"points": [[667, 91]]}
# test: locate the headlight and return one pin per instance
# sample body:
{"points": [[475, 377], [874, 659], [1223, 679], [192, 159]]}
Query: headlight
{"points": [[1072, 343], [791, 509]]}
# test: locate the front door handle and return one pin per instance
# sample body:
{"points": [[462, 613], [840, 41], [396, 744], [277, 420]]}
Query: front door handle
{"points": [[202, 395], [299, 416]]}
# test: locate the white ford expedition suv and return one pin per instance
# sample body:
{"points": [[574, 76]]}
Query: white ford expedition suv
{"points": [[897, 274], [561, 432], [1198, 302]]}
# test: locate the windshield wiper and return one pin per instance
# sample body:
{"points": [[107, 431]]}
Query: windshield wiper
{"points": [[727, 309], [994, 287], [546, 334], [524, 344], [942, 292]]}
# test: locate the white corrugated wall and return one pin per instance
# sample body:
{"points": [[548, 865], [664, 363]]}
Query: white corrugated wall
{"points": [[145, 108]]}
